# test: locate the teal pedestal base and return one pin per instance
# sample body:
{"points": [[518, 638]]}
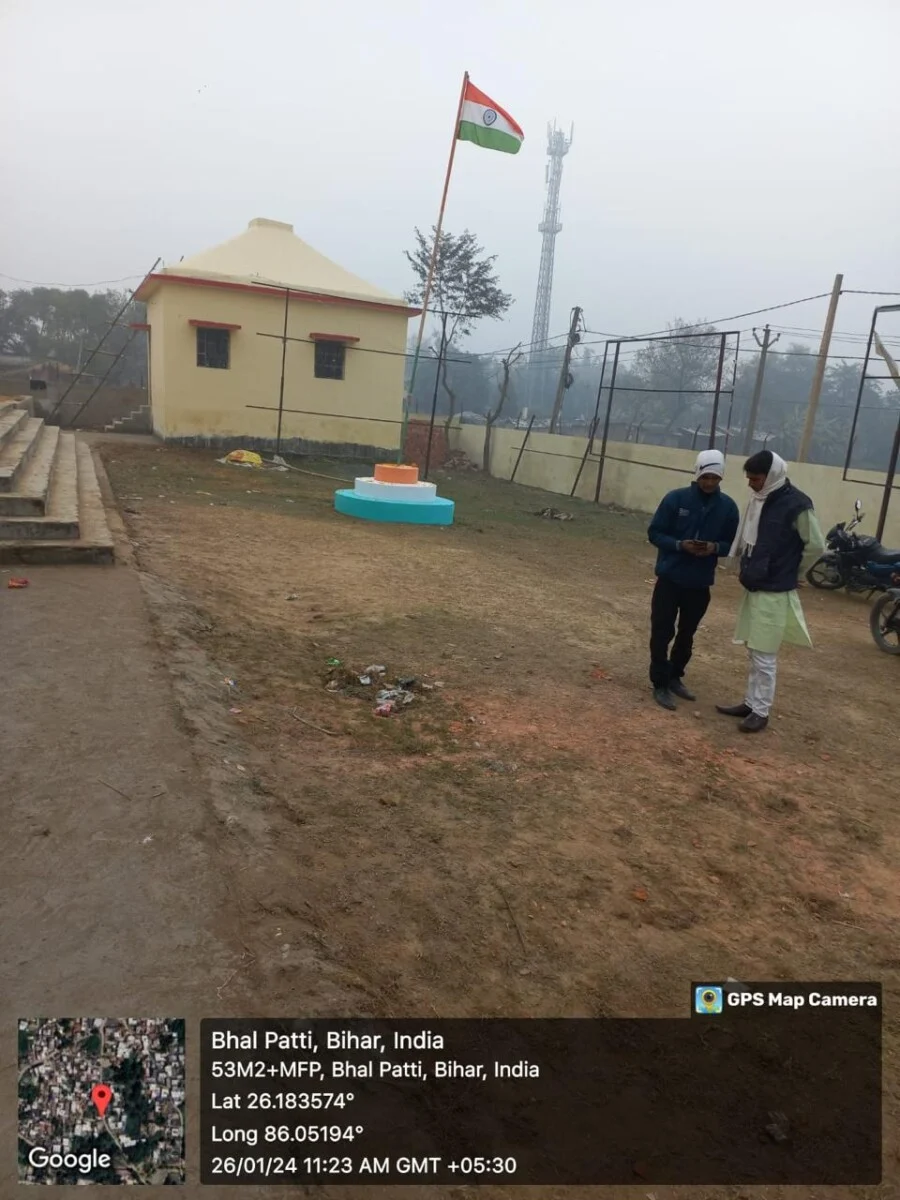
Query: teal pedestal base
{"points": [[436, 511]]}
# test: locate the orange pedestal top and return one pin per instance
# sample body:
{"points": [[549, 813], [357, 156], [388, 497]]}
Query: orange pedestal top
{"points": [[392, 473]]}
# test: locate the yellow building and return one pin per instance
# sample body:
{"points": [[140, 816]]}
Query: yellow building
{"points": [[215, 325]]}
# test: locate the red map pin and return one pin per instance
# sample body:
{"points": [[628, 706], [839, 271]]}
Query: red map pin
{"points": [[101, 1094]]}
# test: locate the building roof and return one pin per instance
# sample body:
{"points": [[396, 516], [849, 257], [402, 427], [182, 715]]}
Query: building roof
{"points": [[269, 253]]}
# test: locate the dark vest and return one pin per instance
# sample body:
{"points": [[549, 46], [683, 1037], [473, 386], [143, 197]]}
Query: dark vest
{"points": [[774, 563]]}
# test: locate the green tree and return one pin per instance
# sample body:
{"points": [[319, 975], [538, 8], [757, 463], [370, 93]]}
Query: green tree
{"points": [[678, 372], [465, 290], [42, 323], [784, 400], [877, 415]]}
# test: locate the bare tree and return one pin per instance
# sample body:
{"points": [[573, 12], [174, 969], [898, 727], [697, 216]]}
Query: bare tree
{"points": [[465, 290], [681, 368], [506, 365]]}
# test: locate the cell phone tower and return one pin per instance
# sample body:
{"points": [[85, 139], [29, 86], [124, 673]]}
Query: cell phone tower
{"points": [[557, 148]]}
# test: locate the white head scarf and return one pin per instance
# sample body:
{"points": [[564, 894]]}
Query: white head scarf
{"points": [[710, 462], [748, 530]]}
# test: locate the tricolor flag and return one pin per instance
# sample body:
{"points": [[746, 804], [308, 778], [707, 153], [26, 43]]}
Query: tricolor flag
{"points": [[487, 124]]}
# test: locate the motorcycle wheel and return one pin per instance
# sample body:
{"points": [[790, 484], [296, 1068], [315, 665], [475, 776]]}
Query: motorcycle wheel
{"points": [[825, 574], [884, 622]]}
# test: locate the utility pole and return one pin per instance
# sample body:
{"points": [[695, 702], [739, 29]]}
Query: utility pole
{"points": [[767, 341], [571, 342], [818, 378]]}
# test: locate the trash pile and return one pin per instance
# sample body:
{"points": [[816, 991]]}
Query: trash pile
{"points": [[389, 694], [242, 458], [457, 461], [249, 458], [554, 514]]}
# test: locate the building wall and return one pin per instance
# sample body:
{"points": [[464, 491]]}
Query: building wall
{"points": [[156, 373], [82, 408], [637, 477], [191, 402], [416, 448]]}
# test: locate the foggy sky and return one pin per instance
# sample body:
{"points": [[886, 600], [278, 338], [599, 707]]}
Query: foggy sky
{"points": [[724, 158]]}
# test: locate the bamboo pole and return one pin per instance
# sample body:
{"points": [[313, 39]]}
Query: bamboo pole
{"points": [[429, 282]]}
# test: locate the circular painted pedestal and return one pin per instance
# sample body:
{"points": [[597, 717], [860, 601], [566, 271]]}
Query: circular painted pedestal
{"points": [[397, 493], [409, 511]]}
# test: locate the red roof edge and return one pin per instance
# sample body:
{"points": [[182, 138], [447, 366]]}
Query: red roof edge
{"points": [[138, 325], [268, 290], [212, 324]]}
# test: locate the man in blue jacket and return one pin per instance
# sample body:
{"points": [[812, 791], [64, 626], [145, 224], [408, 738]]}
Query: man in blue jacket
{"points": [[692, 527]]}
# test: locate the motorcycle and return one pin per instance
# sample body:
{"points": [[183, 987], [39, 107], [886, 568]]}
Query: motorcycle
{"points": [[884, 619], [853, 561]]}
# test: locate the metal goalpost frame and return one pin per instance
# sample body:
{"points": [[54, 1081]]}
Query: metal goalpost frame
{"points": [[717, 392], [865, 377]]}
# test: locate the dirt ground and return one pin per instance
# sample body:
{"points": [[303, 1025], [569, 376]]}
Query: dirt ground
{"points": [[532, 837]]}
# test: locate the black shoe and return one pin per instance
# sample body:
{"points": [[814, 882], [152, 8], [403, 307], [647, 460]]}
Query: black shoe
{"points": [[677, 688], [734, 710], [663, 698], [753, 724]]}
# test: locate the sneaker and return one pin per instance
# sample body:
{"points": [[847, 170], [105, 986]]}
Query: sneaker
{"points": [[663, 698]]}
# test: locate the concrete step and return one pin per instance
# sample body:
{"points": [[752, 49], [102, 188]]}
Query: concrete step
{"points": [[131, 427], [12, 419], [31, 491], [60, 519], [16, 452], [95, 545], [134, 422]]}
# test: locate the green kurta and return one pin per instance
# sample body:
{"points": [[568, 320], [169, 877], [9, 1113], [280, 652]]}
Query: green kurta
{"points": [[766, 619]]}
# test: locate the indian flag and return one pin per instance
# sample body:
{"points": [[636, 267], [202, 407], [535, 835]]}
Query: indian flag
{"points": [[487, 124]]}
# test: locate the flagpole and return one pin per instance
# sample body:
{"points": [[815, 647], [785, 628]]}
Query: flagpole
{"points": [[426, 296]]}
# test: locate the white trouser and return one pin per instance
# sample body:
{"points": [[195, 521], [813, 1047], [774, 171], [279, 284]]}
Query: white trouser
{"points": [[761, 682]]}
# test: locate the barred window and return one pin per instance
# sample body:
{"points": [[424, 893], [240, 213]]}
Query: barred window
{"points": [[213, 348], [330, 358]]}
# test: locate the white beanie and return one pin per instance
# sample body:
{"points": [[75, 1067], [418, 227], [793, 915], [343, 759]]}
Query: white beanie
{"points": [[710, 462]]}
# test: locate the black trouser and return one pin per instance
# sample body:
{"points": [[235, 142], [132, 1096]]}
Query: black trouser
{"points": [[671, 603]]}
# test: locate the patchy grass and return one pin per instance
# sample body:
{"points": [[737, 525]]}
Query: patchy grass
{"points": [[636, 849]]}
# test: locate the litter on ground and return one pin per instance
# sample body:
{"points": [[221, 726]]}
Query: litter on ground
{"points": [[243, 458], [393, 693]]}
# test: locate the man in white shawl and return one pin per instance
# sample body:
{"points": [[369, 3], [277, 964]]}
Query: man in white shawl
{"points": [[778, 538]]}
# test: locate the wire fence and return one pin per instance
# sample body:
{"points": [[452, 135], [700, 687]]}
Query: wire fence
{"points": [[681, 388], [648, 409], [684, 389]]}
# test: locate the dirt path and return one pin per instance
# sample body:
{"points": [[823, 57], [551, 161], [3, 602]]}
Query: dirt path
{"points": [[117, 896]]}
